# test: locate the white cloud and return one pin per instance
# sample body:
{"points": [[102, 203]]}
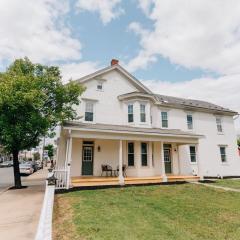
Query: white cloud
{"points": [[36, 29], [107, 9], [77, 70], [200, 33]]}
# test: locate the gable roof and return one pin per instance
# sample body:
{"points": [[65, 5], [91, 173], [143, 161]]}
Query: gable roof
{"points": [[163, 100], [120, 69], [169, 101]]}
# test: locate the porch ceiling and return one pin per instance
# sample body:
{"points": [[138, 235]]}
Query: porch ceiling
{"points": [[105, 131]]}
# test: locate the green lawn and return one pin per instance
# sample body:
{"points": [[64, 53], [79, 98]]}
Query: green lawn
{"points": [[231, 183], [174, 212]]}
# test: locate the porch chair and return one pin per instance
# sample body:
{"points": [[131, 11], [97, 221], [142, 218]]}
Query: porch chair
{"points": [[124, 168], [107, 169]]}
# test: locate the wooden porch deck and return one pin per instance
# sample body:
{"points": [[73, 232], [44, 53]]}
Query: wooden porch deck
{"points": [[106, 181]]}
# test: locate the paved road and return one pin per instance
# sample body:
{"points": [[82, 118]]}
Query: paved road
{"points": [[6, 178]]}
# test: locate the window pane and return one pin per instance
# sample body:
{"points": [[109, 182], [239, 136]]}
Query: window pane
{"points": [[89, 107], [130, 113], [144, 159], [142, 108], [144, 154], [130, 108], [219, 124], [130, 117], [144, 147], [89, 116], [130, 148], [193, 153], [190, 121], [130, 154], [223, 154], [164, 119], [143, 117]]}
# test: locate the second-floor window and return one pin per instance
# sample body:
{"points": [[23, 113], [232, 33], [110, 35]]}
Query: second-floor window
{"points": [[164, 119], [89, 112], [189, 121], [130, 113], [219, 124], [142, 112]]}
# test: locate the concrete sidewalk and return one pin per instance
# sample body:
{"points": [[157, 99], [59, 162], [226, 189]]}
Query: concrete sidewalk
{"points": [[20, 209]]}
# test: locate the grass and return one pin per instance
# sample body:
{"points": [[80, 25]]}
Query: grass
{"points": [[179, 212], [231, 183]]}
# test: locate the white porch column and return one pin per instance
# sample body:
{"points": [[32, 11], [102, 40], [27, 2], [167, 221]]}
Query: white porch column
{"points": [[200, 173], [69, 160], [164, 176], [120, 173], [150, 156], [66, 156]]}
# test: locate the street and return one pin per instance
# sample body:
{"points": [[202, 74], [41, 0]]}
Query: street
{"points": [[6, 178]]}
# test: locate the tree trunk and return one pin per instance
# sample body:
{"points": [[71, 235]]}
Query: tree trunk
{"points": [[17, 177]]}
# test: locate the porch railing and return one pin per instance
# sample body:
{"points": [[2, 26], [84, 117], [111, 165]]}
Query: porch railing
{"points": [[61, 175]]}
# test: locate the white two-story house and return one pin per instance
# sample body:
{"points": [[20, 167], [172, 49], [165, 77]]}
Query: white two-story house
{"points": [[126, 126]]}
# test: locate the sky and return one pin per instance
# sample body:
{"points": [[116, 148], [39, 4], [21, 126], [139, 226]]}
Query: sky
{"points": [[182, 48]]}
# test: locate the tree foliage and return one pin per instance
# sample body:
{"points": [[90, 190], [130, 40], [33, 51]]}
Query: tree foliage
{"points": [[33, 101], [50, 149]]}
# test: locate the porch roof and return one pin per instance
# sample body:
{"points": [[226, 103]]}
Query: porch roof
{"points": [[108, 128]]}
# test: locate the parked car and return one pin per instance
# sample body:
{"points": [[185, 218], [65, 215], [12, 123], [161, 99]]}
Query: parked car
{"points": [[26, 168], [6, 164]]}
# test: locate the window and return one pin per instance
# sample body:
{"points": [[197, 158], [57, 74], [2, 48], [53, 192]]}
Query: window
{"points": [[223, 154], [219, 124], [144, 153], [193, 156], [89, 112], [130, 113], [165, 119], [142, 113], [100, 86], [190, 121], [130, 154]]}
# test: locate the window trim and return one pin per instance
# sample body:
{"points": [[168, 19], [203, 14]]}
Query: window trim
{"points": [[130, 104], [221, 124], [189, 114], [145, 117], [93, 111], [190, 155], [146, 154], [225, 149], [164, 111], [100, 83], [133, 153]]}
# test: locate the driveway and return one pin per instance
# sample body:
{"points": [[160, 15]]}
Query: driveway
{"points": [[20, 209]]}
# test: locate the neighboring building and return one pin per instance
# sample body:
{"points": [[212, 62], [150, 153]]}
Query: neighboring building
{"points": [[123, 122]]}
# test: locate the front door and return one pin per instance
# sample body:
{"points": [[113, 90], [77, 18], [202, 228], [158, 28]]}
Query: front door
{"points": [[87, 160], [168, 160]]}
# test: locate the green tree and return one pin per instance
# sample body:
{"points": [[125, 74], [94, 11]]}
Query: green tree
{"points": [[36, 156], [50, 149], [33, 101]]}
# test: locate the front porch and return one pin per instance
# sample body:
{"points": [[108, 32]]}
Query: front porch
{"points": [[148, 155], [114, 181]]}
